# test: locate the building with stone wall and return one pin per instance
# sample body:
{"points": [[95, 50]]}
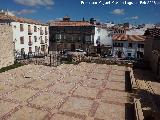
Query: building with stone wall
{"points": [[6, 46], [152, 49], [71, 35], [155, 63]]}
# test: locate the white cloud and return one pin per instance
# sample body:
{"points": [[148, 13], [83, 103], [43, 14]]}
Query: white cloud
{"points": [[134, 17], [35, 2], [118, 12], [59, 19], [23, 11]]}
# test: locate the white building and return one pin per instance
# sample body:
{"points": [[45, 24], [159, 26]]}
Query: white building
{"points": [[103, 36], [128, 46], [109, 24], [139, 31], [135, 31], [28, 35]]}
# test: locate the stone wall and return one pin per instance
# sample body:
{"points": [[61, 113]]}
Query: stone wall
{"points": [[6, 46], [148, 48], [155, 63]]}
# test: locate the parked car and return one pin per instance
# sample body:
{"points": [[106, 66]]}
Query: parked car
{"points": [[129, 58], [65, 53], [80, 50]]}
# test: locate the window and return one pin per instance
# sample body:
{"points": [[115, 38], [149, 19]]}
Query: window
{"points": [[46, 39], [130, 45], [30, 49], [43, 48], [99, 38], [29, 28], [36, 48], [140, 45], [58, 37], [35, 28], [115, 44], [46, 32], [40, 37], [35, 38], [21, 40], [98, 30], [21, 27], [129, 54], [121, 44], [63, 36], [41, 31], [22, 50], [30, 39], [88, 38]]}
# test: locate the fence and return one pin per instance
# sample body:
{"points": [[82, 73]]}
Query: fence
{"points": [[51, 59], [22, 56]]}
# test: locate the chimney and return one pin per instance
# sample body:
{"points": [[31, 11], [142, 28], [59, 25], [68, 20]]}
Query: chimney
{"points": [[92, 21], [66, 19], [83, 19]]}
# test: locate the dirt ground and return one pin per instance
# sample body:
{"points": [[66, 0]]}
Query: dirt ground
{"points": [[86, 91]]}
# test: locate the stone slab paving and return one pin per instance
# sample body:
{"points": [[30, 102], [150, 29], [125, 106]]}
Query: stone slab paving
{"points": [[114, 96], [38, 84], [20, 95], [6, 107], [47, 101], [61, 87], [108, 111], [92, 82], [86, 91], [28, 113], [4, 88], [116, 86], [64, 117]]}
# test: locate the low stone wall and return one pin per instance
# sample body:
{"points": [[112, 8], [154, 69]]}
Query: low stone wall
{"points": [[6, 46], [139, 115], [100, 60]]}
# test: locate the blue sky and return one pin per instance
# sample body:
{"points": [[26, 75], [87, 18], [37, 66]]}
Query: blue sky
{"points": [[45, 10]]}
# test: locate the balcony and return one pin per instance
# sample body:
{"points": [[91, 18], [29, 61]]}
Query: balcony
{"points": [[42, 42], [30, 32], [140, 49], [46, 32], [30, 43], [46, 40], [41, 32]]}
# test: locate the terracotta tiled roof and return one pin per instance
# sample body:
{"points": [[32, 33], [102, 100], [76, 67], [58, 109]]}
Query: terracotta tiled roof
{"points": [[123, 37], [154, 32], [70, 23], [17, 19]]}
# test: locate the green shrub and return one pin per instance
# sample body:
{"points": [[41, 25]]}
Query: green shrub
{"points": [[15, 65]]}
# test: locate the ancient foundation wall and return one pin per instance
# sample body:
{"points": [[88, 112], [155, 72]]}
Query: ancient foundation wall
{"points": [[6, 46]]}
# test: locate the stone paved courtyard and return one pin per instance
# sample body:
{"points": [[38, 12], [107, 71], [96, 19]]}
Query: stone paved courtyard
{"points": [[86, 91]]}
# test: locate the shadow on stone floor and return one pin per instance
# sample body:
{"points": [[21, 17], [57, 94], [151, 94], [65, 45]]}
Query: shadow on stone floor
{"points": [[145, 74], [151, 101], [129, 111]]}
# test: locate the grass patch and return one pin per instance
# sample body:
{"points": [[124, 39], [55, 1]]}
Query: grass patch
{"points": [[70, 62], [15, 65]]}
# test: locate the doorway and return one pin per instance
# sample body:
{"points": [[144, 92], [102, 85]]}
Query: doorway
{"points": [[73, 47], [119, 54]]}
